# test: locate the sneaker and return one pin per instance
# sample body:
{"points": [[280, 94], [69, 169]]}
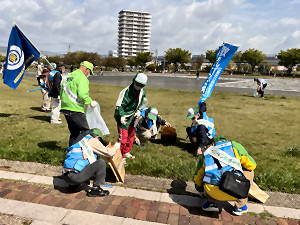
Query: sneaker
{"points": [[239, 211], [128, 155], [210, 207], [97, 192], [56, 122]]}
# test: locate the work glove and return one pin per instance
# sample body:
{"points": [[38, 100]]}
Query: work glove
{"points": [[137, 114], [93, 104], [123, 120]]}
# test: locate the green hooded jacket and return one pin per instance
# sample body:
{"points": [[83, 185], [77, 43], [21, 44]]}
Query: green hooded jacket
{"points": [[74, 92], [127, 104]]}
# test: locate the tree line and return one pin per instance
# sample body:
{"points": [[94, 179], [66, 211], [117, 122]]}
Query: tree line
{"points": [[177, 58]]}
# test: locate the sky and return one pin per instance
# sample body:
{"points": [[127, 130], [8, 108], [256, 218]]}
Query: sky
{"points": [[193, 25]]}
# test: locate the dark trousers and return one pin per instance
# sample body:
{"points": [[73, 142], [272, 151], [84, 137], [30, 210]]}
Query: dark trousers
{"points": [[97, 168], [77, 123]]}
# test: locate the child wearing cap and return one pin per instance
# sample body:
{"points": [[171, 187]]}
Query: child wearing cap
{"points": [[148, 124], [202, 131]]}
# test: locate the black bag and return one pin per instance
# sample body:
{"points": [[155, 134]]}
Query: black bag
{"points": [[236, 185]]}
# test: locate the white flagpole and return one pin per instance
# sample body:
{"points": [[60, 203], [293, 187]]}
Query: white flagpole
{"points": [[41, 54]]}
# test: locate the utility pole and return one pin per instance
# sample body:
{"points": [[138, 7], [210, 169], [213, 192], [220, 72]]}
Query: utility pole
{"points": [[156, 56]]}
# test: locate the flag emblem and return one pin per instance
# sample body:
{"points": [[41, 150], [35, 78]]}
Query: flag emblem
{"points": [[16, 58]]}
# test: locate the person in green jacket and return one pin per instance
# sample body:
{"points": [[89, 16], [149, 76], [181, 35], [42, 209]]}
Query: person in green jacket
{"points": [[128, 105], [74, 95]]}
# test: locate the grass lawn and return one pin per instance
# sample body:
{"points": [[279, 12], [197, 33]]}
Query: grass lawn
{"points": [[268, 128]]}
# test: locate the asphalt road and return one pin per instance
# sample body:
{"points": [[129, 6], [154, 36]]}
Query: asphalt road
{"points": [[239, 84]]}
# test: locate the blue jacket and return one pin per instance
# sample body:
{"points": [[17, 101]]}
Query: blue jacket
{"points": [[74, 159]]}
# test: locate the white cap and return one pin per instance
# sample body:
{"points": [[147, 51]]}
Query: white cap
{"points": [[152, 113], [141, 78]]}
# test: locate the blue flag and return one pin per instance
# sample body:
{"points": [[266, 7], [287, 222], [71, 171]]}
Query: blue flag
{"points": [[225, 53], [20, 54]]}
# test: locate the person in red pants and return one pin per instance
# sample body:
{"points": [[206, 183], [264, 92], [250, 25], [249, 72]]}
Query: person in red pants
{"points": [[128, 107]]}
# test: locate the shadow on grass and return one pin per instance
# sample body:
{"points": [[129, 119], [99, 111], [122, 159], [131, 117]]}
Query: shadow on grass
{"points": [[51, 145], [42, 118], [7, 114], [36, 109]]}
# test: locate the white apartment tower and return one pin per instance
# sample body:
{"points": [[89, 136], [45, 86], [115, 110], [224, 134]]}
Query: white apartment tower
{"points": [[134, 33]]}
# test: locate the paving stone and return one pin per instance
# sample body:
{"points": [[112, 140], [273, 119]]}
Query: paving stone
{"points": [[4, 192], [126, 202], [136, 203], [141, 214], [281, 221], [81, 195], [184, 211], [164, 207], [83, 205], [195, 220], [120, 211], [293, 222], [131, 212], [259, 221], [173, 219], [174, 209], [46, 200], [117, 200], [237, 219], [63, 203], [20, 196], [108, 199], [151, 216], [145, 204], [101, 208], [12, 194], [183, 220], [73, 203], [225, 216], [111, 209], [28, 197], [38, 198], [154, 206], [162, 217], [46, 191], [248, 219], [216, 222]]}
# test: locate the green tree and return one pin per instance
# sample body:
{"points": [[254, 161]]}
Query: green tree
{"points": [[289, 58], [56, 59], [75, 58], [199, 61], [131, 62], [254, 57], [211, 55], [178, 56], [2, 58], [237, 58], [142, 58]]}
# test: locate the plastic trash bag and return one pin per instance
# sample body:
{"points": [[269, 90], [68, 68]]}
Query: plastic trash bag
{"points": [[95, 119]]}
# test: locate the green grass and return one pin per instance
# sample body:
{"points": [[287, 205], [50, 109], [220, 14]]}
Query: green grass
{"points": [[268, 128]]}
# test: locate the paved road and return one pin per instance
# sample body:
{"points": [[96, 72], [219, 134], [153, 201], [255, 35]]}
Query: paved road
{"points": [[239, 84]]}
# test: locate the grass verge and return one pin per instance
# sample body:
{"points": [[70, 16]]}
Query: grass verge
{"points": [[268, 128]]}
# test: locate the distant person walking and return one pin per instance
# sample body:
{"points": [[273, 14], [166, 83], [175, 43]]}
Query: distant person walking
{"points": [[39, 70], [71, 68], [74, 95], [197, 74]]}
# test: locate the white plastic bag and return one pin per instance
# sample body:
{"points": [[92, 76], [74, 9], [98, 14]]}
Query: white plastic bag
{"points": [[95, 119]]}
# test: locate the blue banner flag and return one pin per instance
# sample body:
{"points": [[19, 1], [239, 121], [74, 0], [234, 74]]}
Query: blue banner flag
{"points": [[20, 54], [225, 53]]}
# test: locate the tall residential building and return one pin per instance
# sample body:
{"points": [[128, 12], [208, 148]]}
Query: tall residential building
{"points": [[134, 33]]}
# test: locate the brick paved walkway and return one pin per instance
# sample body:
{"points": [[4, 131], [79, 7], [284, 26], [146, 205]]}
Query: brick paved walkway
{"points": [[128, 207]]}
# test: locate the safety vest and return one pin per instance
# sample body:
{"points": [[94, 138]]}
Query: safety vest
{"points": [[213, 174], [74, 159], [149, 122], [207, 122]]}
